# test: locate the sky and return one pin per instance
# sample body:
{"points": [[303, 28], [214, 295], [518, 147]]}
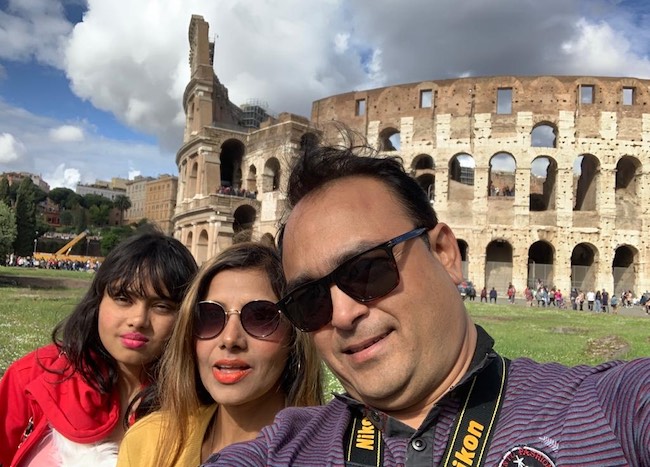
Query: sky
{"points": [[92, 89]]}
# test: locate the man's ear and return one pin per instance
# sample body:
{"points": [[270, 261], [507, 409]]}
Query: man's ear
{"points": [[444, 246]]}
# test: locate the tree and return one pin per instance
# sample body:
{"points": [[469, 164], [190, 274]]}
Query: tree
{"points": [[122, 203], [5, 196], [25, 211], [99, 215], [65, 198], [7, 231], [111, 237]]}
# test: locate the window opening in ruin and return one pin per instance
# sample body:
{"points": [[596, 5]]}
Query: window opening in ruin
{"points": [[628, 96], [463, 247], [423, 162], [498, 266], [543, 175], [232, 153], [540, 264], [202, 247], [251, 180], [586, 94], [244, 218], [308, 141], [501, 177], [426, 100], [188, 241], [626, 191], [461, 177], [583, 267], [623, 266], [271, 177], [360, 107], [504, 101], [191, 189], [586, 169], [389, 140], [543, 136], [428, 184]]}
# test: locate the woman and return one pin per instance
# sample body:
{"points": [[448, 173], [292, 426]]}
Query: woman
{"points": [[69, 403], [232, 363]]}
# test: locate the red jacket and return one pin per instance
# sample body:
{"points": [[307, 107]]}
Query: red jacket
{"points": [[32, 397]]}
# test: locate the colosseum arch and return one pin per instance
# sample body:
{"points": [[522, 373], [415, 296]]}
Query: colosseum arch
{"points": [[628, 180], [202, 247], [624, 267], [543, 176], [501, 175], [194, 171], [389, 139], [268, 240], [587, 169], [464, 249], [423, 169], [498, 265], [188, 241], [541, 259], [584, 265], [251, 179], [271, 176], [543, 135], [232, 153], [461, 177], [244, 217], [308, 141]]}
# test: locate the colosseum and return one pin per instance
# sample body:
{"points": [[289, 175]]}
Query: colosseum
{"points": [[542, 178]]}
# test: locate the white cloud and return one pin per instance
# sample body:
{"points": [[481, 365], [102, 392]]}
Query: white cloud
{"points": [[34, 28], [96, 157], [11, 149], [599, 49], [341, 41], [67, 133], [63, 177]]}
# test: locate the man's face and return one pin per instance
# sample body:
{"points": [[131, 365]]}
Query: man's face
{"points": [[394, 352]]}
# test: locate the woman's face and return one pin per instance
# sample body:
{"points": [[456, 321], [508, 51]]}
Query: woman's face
{"points": [[234, 367], [135, 329]]}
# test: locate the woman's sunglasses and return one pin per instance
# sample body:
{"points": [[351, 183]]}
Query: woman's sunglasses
{"points": [[364, 277], [259, 318]]}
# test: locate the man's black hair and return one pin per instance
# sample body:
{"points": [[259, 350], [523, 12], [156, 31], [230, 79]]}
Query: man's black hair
{"points": [[314, 169]]}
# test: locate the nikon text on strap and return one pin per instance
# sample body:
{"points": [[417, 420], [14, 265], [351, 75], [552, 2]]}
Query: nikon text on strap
{"points": [[470, 435]]}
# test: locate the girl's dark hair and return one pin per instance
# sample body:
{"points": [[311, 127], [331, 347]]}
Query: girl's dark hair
{"points": [[149, 259]]}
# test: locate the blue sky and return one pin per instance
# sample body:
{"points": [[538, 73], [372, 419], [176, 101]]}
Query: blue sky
{"points": [[92, 89]]}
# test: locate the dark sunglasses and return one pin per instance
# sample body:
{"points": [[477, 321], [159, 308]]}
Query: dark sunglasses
{"points": [[259, 318], [364, 277]]}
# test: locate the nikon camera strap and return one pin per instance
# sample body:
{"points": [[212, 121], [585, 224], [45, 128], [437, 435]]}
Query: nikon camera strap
{"points": [[470, 434]]}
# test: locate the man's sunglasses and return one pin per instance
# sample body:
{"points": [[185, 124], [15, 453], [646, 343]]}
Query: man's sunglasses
{"points": [[259, 318], [364, 277]]}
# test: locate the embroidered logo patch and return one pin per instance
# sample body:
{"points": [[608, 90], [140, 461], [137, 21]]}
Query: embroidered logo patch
{"points": [[525, 456]]}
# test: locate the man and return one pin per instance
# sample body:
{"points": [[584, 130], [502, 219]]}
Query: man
{"points": [[372, 276]]}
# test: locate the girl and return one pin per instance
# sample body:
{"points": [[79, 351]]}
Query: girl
{"points": [[233, 362], [69, 403]]}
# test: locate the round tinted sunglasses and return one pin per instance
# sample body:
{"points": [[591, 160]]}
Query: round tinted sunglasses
{"points": [[365, 277], [259, 318]]}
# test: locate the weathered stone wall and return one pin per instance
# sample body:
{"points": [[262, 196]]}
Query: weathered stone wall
{"points": [[463, 118]]}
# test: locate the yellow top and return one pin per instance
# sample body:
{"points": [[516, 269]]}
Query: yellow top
{"points": [[140, 444]]}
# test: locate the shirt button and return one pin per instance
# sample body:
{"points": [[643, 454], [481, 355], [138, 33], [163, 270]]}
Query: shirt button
{"points": [[374, 416], [418, 444]]}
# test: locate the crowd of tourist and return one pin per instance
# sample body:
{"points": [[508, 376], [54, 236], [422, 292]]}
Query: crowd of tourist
{"points": [[51, 263], [234, 191]]}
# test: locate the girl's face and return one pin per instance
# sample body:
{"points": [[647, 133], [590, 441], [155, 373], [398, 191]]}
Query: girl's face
{"points": [[135, 329], [236, 368]]}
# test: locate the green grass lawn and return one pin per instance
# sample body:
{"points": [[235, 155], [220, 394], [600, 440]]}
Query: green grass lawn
{"points": [[27, 317]]}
